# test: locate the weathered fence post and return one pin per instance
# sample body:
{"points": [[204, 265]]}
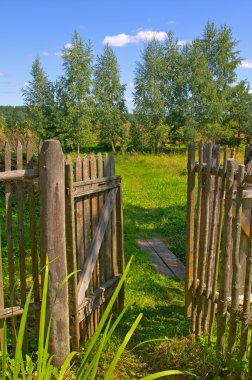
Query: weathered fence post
{"points": [[53, 243], [190, 229]]}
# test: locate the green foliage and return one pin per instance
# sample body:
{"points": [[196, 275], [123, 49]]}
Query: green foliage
{"points": [[110, 110]]}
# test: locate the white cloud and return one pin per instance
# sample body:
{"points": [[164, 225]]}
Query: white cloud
{"points": [[123, 39], [183, 42], [45, 54], [129, 100], [27, 84], [68, 45], [58, 54], [130, 85], [246, 64], [250, 91], [171, 22]]}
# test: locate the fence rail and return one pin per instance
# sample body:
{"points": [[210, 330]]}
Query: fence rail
{"points": [[71, 211], [219, 249]]}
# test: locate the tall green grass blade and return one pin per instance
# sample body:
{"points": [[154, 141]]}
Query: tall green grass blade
{"points": [[122, 348], [95, 361], [102, 321], [150, 341], [166, 373], [41, 353], [20, 337], [66, 364]]}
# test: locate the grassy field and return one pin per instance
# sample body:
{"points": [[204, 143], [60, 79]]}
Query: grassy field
{"points": [[154, 199]]}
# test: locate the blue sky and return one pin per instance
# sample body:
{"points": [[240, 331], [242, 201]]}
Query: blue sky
{"points": [[30, 28]]}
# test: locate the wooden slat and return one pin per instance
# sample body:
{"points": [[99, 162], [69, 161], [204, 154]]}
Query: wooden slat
{"points": [[15, 311], [16, 175], [204, 238], [94, 222], [1, 291], [236, 264], [190, 229], [212, 240], [107, 237], [158, 263], [8, 209], [92, 256], [113, 225], [197, 237], [33, 236], [226, 258], [120, 241], [71, 256], [21, 243], [100, 296], [217, 255], [79, 216]]}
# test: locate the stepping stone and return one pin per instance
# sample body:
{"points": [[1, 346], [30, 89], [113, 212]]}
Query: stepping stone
{"points": [[165, 262]]}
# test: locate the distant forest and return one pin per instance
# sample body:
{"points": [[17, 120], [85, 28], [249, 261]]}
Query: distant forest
{"points": [[182, 92]]}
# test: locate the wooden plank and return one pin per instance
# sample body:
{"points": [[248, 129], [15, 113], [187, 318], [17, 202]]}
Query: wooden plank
{"points": [[8, 210], [197, 237], [94, 222], [113, 224], [21, 243], [100, 296], [236, 264], [79, 217], [247, 301], [214, 206], [120, 241], [17, 175], [189, 229], [204, 239], [107, 236], [96, 181], [15, 311], [86, 273], [94, 189], [71, 257], [33, 236], [88, 329], [217, 255], [158, 263], [53, 244], [226, 258], [170, 260], [1, 292]]}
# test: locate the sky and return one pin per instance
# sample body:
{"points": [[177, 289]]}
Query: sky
{"points": [[41, 28]]}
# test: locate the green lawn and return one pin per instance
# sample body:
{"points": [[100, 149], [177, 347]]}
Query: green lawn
{"points": [[154, 200]]}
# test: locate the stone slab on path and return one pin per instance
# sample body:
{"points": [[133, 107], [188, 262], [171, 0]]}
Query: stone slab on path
{"points": [[164, 261]]}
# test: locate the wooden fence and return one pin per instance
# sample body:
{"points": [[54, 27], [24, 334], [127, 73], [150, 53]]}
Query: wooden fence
{"points": [[73, 213], [219, 250]]}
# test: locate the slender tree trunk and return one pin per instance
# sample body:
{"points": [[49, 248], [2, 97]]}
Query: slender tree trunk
{"points": [[112, 146]]}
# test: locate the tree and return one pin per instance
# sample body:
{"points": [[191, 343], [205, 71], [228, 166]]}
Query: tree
{"points": [[73, 94], [148, 95], [39, 97], [109, 100]]}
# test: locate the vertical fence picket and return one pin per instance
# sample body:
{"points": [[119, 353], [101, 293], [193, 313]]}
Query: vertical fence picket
{"points": [[226, 258], [217, 255], [204, 233], [21, 243], [1, 291], [87, 234], [108, 258], [100, 206], [79, 216], [246, 298], [190, 229], [212, 241], [236, 263], [71, 256], [94, 222], [197, 237], [113, 224], [33, 235]]}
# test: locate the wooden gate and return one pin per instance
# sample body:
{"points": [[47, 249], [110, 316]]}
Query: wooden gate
{"points": [[94, 232], [73, 214]]}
